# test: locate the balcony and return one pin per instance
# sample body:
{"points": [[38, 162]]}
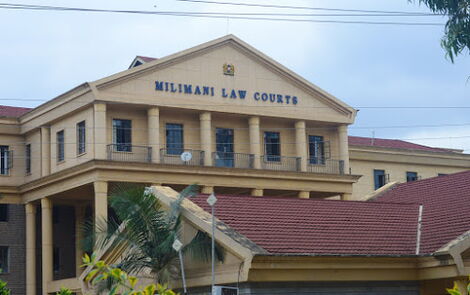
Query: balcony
{"points": [[327, 166], [129, 153], [134, 153], [173, 157], [280, 163], [233, 160]]}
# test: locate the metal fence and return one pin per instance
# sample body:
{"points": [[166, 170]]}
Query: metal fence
{"points": [[129, 153], [173, 157], [233, 160], [280, 163], [327, 166]]}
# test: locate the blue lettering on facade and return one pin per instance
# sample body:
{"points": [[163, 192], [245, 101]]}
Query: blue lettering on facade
{"points": [[232, 93]]}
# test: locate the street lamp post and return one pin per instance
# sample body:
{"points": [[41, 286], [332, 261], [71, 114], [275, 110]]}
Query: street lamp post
{"points": [[211, 201], [177, 245]]}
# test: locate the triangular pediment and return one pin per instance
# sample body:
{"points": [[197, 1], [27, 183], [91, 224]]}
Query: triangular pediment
{"points": [[225, 75]]}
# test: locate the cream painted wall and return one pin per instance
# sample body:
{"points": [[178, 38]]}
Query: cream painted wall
{"points": [[206, 70], [68, 124], [396, 171]]}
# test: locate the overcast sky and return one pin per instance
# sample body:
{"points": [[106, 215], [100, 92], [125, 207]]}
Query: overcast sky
{"points": [[44, 54]]}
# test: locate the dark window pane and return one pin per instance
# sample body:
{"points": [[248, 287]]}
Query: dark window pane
{"points": [[4, 259], [411, 176], [316, 147], [56, 260], [81, 138], [60, 146], [379, 179], [28, 158], [272, 144], [5, 159], [174, 139], [3, 212], [122, 135]]}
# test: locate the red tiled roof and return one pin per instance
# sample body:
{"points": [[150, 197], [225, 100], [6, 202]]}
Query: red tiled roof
{"points": [[446, 206], [322, 227], [13, 112], [392, 143], [146, 58]]}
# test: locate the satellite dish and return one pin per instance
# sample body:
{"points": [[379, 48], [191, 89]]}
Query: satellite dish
{"points": [[186, 156]]}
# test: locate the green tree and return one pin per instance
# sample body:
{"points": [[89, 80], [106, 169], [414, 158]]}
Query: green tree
{"points": [[456, 37], [456, 291], [3, 288], [145, 233]]}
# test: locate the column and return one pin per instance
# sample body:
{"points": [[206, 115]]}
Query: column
{"points": [[207, 190], [100, 131], [153, 122], [79, 219], [301, 144], [45, 150], [30, 249], [206, 137], [304, 195], [344, 146], [346, 197], [257, 192], [255, 142], [47, 243], [101, 205]]}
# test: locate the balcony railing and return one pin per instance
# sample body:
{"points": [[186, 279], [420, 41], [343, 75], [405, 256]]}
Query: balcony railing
{"points": [[280, 163], [129, 153], [6, 162], [173, 157], [233, 160], [327, 166]]}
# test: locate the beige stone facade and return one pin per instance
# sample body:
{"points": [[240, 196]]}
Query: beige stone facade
{"points": [[69, 171]]}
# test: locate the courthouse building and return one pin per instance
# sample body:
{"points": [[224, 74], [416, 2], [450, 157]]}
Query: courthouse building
{"points": [[222, 115]]}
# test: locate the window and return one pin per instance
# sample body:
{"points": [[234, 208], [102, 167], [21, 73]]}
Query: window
{"points": [[60, 146], [4, 259], [442, 174], [411, 176], [272, 146], [316, 147], [379, 179], [3, 212], [81, 138], [6, 160], [28, 158], [122, 135], [174, 139]]}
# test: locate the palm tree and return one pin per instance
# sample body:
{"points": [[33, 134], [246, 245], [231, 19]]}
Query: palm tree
{"points": [[145, 233]]}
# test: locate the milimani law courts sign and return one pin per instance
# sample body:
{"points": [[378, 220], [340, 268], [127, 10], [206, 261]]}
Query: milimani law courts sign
{"points": [[191, 89]]}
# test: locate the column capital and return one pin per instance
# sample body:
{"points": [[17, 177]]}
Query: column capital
{"points": [[153, 111], [254, 120], [101, 187], [205, 116], [46, 203], [99, 107], [300, 124], [30, 208]]}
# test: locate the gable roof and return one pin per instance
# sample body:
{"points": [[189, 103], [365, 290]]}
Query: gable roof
{"points": [[13, 112], [393, 144], [235, 41], [446, 206], [140, 60], [286, 226]]}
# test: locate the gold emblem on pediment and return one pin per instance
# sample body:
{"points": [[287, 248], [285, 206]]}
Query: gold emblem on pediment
{"points": [[229, 69]]}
